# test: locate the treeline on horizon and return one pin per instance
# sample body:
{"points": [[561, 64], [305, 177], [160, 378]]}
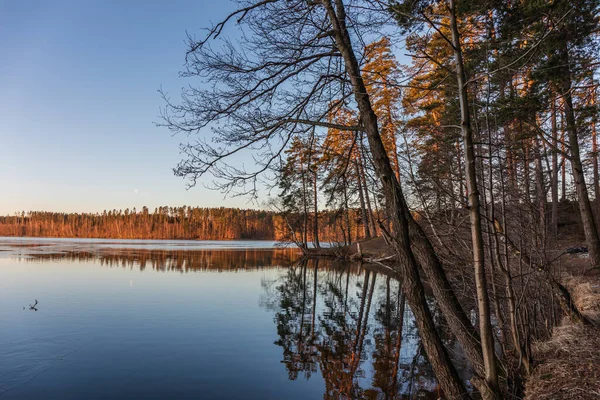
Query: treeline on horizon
{"points": [[195, 223]]}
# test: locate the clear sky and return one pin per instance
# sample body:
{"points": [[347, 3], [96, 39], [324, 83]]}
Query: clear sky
{"points": [[78, 98]]}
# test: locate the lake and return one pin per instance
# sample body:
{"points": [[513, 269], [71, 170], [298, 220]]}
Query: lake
{"points": [[154, 319]]}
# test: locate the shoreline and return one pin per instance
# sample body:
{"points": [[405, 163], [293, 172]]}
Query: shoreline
{"points": [[566, 363]]}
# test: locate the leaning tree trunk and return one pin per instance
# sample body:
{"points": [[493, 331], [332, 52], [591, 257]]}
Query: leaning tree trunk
{"points": [[585, 206], [485, 324], [412, 285]]}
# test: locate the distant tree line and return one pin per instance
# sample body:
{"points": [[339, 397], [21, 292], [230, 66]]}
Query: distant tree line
{"points": [[176, 223]]}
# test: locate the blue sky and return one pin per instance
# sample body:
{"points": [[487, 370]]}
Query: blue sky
{"points": [[78, 98]]}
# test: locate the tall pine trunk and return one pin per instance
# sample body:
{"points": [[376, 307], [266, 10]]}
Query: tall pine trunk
{"points": [[540, 190], [347, 211], [563, 172], [554, 186], [363, 209], [585, 207], [595, 151], [316, 212], [485, 324]]}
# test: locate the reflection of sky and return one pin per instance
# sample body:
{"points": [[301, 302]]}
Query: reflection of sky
{"points": [[168, 335], [106, 328]]}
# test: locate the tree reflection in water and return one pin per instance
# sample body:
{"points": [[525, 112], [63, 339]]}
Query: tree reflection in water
{"points": [[174, 260], [350, 323]]}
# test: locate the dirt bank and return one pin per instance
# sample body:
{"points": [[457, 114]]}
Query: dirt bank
{"points": [[567, 366]]}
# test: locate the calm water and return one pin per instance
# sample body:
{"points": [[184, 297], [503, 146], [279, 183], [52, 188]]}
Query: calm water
{"points": [[155, 320]]}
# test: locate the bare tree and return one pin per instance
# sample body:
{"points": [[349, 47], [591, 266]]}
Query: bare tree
{"points": [[296, 62]]}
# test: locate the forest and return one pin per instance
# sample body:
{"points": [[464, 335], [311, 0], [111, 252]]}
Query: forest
{"points": [[463, 132], [191, 223], [163, 223]]}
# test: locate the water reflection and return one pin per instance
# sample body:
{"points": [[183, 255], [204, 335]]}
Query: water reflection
{"points": [[178, 261], [342, 326], [350, 323]]}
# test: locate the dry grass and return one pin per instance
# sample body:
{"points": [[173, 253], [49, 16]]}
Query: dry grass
{"points": [[568, 365], [586, 294]]}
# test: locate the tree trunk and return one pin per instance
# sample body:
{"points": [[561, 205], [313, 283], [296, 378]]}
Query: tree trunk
{"points": [[585, 207], [316, 212], [595, 151], [315, 192], [463, 192], [595, 164], [505, 269], [485, 324], [365, 218], [563, 181], [314, 304], [394, 148], [372, 218], [540, 191], [412, 285], [347, 211], [305, 210], [554, 186], [526, 173]]}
